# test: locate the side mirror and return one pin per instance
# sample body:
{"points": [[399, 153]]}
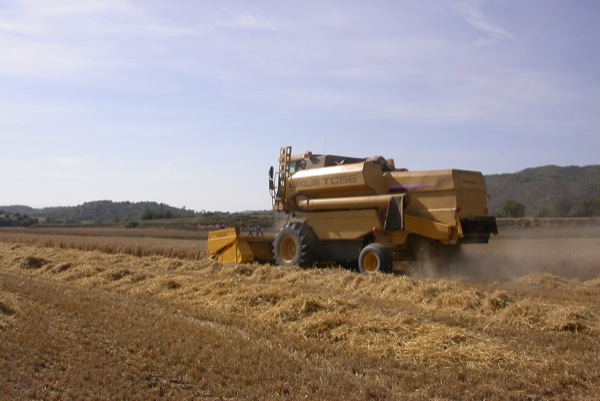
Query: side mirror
{"points": [[271, 180]]}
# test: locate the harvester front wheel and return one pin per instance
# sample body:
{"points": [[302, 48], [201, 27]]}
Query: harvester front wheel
{"points": [[295, 245], [375, 258]]}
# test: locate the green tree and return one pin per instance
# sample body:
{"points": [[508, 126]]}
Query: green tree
{"points": [[512, 208], [562, 207], [589, 208], [152, 215], [545, 212], [4, 218]]}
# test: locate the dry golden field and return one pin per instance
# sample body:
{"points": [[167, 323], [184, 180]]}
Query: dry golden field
{"points": [[518, 319], [141, 242]]}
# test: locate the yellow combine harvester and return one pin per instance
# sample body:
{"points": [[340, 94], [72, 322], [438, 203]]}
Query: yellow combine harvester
{"points": [[347, 210]]}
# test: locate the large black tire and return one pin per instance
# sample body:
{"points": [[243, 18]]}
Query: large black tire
{"points": [[295, 245], [375, 258]]}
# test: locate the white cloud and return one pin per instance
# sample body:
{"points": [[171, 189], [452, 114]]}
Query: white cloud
{"points": [[20, 28], [62, 8], [31, 59], [249, 21], [68, 161], [471, 12], [133, 84]]}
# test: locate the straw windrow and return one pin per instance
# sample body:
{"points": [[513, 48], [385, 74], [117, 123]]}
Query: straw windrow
{"points": [[507, 336]]}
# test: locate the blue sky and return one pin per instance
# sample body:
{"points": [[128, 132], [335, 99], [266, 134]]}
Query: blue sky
{"points": [[188, 102]]}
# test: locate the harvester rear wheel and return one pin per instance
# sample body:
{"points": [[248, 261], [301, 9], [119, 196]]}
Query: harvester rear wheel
{"points": [[375, 258], [295, 245]]}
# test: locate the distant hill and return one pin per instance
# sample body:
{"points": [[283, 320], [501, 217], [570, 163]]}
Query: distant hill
{"points": [[101, 211], [541, 188]]}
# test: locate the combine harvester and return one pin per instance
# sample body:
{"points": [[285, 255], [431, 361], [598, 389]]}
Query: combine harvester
{"points": [[344, 210]]}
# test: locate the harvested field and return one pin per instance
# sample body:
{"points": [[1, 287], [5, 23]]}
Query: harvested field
{"points": [[518, 320]]}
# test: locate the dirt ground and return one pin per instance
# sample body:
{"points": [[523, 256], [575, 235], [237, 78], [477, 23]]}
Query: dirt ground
{"points": [[518, 319]]}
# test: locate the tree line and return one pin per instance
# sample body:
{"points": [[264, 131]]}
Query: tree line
{"points": [[16, 220], [547, 191], [101, 212], [562, 207]]}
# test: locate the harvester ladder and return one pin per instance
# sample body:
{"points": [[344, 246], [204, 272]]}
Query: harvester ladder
{"points": [[285, 158]]}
